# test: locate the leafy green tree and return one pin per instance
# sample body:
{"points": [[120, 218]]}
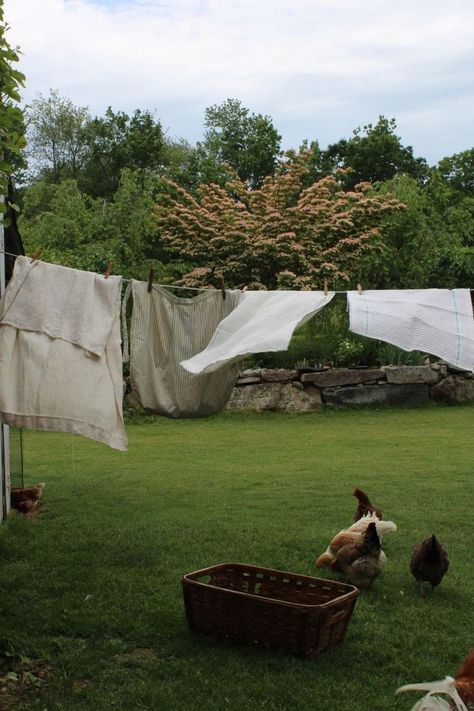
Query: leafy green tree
{"points": [[83, 232], [374, 154], [411, 241], [458, 172], [249, 143], [68, 221], [12, 140], [119, 141], [57, 137]]}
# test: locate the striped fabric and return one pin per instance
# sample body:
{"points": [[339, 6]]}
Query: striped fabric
{"points": [[167, 329], [435, 321]]}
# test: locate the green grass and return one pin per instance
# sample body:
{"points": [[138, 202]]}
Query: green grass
{"points": [[92, 586]]}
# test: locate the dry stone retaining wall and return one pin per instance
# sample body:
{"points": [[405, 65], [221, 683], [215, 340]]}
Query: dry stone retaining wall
{"points": [[308, 389]]}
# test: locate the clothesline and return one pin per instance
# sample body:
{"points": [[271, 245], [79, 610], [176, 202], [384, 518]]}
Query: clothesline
{"points": [[194, 288]]}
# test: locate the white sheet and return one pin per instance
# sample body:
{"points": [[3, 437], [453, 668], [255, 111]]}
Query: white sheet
{"points": [[78, 306], [263, 321], [435, 321], [60, 356]]}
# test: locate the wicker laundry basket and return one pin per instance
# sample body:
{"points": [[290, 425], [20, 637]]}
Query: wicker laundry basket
{"points": [[270, 608]]}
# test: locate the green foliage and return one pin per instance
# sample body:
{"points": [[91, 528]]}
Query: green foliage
{"points": [[228, 205], [77, 230], [249, 143], [57, 137], [117, 142], [375, 154], [12, 140], [412, 240], [387, 354], [458, 172]]}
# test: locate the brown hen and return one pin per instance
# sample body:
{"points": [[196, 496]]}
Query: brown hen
{"points": [[364, 507], [465, 681], [429, 562]]}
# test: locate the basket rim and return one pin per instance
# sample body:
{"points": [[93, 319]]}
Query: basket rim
{"points": [[352, 590]]}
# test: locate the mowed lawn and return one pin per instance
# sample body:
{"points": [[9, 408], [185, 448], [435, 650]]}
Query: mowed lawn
{"points": [[90, 590]]}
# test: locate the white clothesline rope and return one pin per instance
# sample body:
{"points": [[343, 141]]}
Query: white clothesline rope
{"points": [[190, 288]]}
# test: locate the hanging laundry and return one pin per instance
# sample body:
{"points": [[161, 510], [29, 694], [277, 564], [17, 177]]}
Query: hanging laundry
{"points": [[435, 321], [60, 355], [263, 321], [166, 329]]}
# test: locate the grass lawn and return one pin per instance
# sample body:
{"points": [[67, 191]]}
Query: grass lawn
{"points": [[91, 587]]}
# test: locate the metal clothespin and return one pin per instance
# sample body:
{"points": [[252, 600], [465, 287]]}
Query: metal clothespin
{"points": [[325, 287], [37, 256], [108, 270], [150, 280], [359, 288], [221, 278]]}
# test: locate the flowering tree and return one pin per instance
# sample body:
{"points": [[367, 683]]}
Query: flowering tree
{"points": [[281, 236]]}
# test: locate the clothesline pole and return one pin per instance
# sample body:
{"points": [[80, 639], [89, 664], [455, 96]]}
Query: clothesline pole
{"points": [[4, 429]]}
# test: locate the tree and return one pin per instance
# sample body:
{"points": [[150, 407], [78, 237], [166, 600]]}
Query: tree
{"points": [[12, 140], [249, 143], [119, 141], [57, 137], [411, 243], [282, 235], [83, 232], [375, 154], [458, 172]]}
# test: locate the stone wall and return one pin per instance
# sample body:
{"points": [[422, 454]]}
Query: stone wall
{"points": [[310, 388]]}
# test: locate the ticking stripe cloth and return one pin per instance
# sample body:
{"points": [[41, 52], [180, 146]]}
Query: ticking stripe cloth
{"points": [[60, 355], [435, 321], [166, 329], [263, 321]]}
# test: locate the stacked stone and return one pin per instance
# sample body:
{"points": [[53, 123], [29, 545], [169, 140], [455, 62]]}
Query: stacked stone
{"points": [[308, 389]]}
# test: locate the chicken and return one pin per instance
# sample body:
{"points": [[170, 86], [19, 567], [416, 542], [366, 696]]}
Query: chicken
{"points": [[26, 499], [429, 562], [328, 559], [363, 560], [465, 681], [460, 689], [364, 506], [430, 702]]}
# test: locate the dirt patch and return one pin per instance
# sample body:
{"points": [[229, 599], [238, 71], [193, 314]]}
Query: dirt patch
{"points": [[136, 654], [20, 678]]}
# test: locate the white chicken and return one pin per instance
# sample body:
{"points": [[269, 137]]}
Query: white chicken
{"points": [[430, 702]]}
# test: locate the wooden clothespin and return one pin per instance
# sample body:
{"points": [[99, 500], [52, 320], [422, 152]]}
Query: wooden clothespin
{"points": [[359, 288], [325, 287], [108, 271], [221, 278], [150, 280], [37, 256]]}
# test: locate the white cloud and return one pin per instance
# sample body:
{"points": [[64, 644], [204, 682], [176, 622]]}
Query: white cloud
{"points": [[318, 67]]}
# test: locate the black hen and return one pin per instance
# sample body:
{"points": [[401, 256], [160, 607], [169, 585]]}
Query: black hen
{"points": [[429, 562]]}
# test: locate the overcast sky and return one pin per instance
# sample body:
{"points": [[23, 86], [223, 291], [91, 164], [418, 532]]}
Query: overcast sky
{"points": [[319, 68]]}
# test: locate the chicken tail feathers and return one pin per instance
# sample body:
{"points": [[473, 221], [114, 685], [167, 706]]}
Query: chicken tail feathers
{"points": [[361, 497], [324, 561]]}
